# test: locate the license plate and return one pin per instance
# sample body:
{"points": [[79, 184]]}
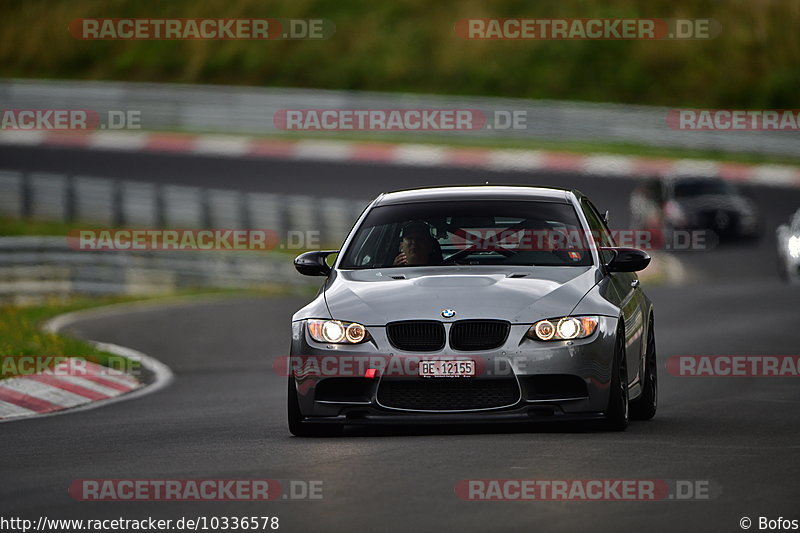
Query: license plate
{"points": [[446, 369]]}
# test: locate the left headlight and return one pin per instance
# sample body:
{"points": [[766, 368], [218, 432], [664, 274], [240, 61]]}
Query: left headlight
{"points": [[337, 331], [564, 328]]}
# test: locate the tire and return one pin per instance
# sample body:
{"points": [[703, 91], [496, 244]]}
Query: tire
{"points": [[644, 407], [299, 428], [617, 412]]}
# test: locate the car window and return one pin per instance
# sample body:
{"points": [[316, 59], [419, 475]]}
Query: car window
{"points": [[699, 187], [596, 224], [599, 229], [475, 232]]}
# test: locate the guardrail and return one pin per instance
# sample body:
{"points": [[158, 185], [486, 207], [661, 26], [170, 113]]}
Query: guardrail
{"points": [[35, 267], [120, 203], [225, 109]]}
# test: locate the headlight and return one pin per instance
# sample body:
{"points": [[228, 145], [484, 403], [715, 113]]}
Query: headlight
{"points": [[565, 328], [337, 332], [794, 246]]}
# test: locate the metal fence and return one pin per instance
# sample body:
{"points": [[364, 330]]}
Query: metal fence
{"points": [[36, 267], [225, 109]]}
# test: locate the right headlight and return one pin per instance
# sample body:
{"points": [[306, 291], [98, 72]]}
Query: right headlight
{"points": [[337, 331], [794, 246], [563, 329]]}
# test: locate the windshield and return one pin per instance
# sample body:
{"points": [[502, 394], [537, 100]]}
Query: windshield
{"points": [[475, 232], [700, 187]]}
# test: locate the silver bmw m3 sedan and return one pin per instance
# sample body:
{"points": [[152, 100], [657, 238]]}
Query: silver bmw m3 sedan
{"points": [[474, 304]]}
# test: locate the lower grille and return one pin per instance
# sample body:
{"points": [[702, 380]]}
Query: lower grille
{"points": [[417, 335], [344, 390], [478, 334], [553, 386], [448, 394]]}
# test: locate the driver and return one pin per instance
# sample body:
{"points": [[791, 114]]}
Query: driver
{"points": [[417, 246]]}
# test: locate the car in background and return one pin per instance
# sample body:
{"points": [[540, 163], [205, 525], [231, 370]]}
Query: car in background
{"points": [[668, 203], [474, 304], [789, 249]]}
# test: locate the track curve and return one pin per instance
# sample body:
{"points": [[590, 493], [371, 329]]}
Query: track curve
{"points": [[223, 417]]}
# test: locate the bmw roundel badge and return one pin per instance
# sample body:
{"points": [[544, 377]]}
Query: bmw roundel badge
{"points": [[448, 313]]}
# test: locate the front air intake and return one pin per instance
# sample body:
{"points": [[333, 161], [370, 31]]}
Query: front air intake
{"points": [[469, 335], [416, 335]]}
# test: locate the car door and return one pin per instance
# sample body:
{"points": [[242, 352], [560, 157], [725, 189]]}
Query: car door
{"points": [[630, 297]]}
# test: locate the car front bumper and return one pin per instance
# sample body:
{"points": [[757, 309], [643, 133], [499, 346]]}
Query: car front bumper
{"points": [[555, 380]]}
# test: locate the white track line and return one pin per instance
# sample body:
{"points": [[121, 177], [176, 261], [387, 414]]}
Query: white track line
{"points": [[91, 385], [13, 410], [120, 140], [611, 165], [27, 138], [419, 154], [520, 160], [224, 145], [43, 391], [323, 150], [162, 375]]}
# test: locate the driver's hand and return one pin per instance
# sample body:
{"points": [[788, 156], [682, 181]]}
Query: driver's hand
{"points": [[401, 259]]}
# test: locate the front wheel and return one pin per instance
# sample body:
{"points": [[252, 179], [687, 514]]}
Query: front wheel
{"points": [[296, 425], [616, 418], [644, 407]]}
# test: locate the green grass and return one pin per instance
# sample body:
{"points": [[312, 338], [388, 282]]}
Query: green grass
{"points": [[411, 45], [21, 333]]}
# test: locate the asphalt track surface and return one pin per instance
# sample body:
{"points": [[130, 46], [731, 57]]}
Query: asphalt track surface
{"points": [[224, 415]]}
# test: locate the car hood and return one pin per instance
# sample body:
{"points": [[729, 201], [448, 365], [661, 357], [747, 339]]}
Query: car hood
{"points": [[520, 295]]}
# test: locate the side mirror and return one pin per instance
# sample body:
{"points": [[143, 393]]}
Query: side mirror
{"points": [[627, 260], [313, 263]]}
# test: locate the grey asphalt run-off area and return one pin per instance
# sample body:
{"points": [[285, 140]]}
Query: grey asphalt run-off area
{"points": [[223, 417]]}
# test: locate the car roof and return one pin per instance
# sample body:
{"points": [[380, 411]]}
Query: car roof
{"points": [[476, 192]]}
